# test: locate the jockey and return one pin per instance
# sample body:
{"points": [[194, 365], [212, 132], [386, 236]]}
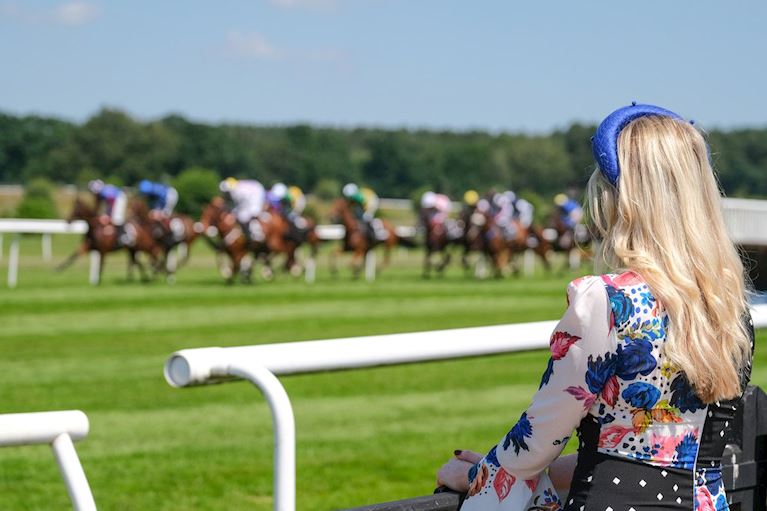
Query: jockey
{"points": [[289, 202], [115, 204], [161, 198], [436, 207], [247, 197], [113, 198], [570, 212], [364, 204], [505, 212]]}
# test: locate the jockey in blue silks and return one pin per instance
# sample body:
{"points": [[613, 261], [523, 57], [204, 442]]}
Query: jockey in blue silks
{"points": [[161, 198]]}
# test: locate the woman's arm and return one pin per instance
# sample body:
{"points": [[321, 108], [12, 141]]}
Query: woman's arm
{"points": [[561, 472], [578, 373]]}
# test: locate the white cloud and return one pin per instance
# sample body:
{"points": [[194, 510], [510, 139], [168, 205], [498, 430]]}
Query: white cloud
{"points": [[251, 45], [76, 13], [72, 13], [305, 4]]}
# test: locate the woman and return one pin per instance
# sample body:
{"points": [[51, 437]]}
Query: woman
{"points": [[650, 362]]}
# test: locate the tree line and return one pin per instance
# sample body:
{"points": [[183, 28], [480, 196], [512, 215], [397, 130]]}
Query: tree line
{"points": [[116, 147]]}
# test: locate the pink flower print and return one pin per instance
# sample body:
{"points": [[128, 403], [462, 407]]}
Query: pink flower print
{"points": [[560, 344], [703, 500], [582, 394], [611, 436]]}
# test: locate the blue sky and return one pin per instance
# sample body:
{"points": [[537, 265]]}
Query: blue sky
{"points": [[498, 65]]}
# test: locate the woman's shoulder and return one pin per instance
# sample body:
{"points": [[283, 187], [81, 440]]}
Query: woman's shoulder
{"points": [[615, 281]]}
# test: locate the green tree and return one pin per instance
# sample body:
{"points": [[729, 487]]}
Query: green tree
{"points": [[196, 186], [38, 200]]}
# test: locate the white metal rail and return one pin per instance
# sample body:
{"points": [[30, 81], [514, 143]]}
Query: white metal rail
{"points": [[58, 429], [262, 363]]}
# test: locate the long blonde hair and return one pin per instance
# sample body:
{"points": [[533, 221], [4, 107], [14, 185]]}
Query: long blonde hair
{"points": [[663, 221]]}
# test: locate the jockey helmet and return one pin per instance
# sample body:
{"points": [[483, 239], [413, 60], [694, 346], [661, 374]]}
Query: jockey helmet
{"points": [[560, 199], [145, 187], [279, 190], [228, 184], [428, 200], [96, 185], [350, 190], [471, 197]]}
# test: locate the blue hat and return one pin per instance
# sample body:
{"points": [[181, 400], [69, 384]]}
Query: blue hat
{"points": [[604, 143]]}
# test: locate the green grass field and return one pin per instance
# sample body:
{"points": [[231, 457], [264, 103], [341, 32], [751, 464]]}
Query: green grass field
{"points": [[363, 436]]}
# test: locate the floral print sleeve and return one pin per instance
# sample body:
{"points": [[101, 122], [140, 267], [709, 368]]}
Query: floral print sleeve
{"points": [[579, 373]]}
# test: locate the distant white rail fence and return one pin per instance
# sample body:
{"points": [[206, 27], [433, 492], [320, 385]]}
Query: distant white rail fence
{"points": [[19, 226], [262, 364]]}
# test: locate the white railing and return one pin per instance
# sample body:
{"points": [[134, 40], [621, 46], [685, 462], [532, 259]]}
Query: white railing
{"points": [[58, 429], [262, 364]]}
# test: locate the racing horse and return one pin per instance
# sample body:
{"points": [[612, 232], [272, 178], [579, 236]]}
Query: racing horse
{"points": [[283, 238], [359, 242], [220, 228], [102, 236], [175, 232], [438, 238], [483, 235], [573, 241]]}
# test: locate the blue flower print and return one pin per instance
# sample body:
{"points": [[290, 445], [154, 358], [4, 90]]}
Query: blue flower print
{"points": [[599, 371], [521, 430], [686, 451], [647, 299], [492, 457], [721, 501], [683, 397], [641, 395], [635, 357], [547, 373], [620, 304]]}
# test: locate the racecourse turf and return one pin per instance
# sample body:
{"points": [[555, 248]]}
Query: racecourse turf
{"points": [[363, 436]]}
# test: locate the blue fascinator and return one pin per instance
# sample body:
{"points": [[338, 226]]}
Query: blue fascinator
{"points": [[604, 143]]}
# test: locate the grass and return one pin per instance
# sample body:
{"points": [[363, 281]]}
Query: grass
{"points": [[363, 436]]}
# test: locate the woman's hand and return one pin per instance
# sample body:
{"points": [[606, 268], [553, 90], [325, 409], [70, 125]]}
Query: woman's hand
{"points": [[455, 473]]}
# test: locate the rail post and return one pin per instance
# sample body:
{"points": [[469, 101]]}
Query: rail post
{"points": [[13, 261]]}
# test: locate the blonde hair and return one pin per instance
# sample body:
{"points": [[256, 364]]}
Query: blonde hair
{"points": [[664, 222]]}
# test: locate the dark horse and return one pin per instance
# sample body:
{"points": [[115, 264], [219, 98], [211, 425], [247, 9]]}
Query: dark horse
{"points": [[357, 241], [103, 237], [483, 235], [439, 236], [175, 232]]}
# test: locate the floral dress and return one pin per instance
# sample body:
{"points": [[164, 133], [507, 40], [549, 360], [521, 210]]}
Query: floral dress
{"points": [[645, 440]]}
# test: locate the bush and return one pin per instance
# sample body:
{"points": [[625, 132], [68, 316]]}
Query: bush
{"points": [[327, 189], [38, 200], [196, 186]]}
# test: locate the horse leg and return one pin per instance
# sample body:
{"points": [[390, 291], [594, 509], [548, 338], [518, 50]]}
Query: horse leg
{"points": [[446, 256], [81, 250], [333, 256], [427, 264], [131, 264], [358, 259]]}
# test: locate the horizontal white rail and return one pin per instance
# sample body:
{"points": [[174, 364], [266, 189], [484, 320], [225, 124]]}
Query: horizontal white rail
{"points": [[259, 364], [58, 429], [41, 427], [209, 365], [32, 226]]}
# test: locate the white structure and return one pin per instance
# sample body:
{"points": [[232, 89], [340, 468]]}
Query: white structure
{"points": [[746, 221], [262, 363], [58, 429], [17, 227]]}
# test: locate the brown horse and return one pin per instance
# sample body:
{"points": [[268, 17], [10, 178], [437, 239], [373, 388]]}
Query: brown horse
{"points": [[575, 242], [438, 238], [220, 228], [528, 238], [483, 235], [283, 238], [175, 232], [358, 241], [103, 237]]}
